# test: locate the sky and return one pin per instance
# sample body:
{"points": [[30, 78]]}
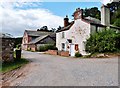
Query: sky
{"points": [[16, 17]]}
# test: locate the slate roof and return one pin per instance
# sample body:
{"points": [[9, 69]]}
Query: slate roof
{"points": [[88, 19], [112, 26], [37, 33], [92, 20], [5, 35], [66, 28], [38, 39]]}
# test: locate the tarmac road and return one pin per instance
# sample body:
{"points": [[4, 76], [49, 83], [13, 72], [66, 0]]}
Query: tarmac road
{"points": [[50, 70]]}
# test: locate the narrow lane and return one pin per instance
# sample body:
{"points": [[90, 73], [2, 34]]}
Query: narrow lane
{"points": [[50, 70]]}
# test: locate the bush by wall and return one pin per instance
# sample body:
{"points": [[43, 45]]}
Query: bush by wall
{"points": [[47, 47], [77, 54], [104, 41]]}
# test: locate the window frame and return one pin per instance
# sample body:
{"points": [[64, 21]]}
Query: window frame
{"points": [[63, 34], [63, 46]]}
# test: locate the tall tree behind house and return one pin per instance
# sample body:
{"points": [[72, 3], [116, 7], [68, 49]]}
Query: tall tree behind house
{"points": [[93, 12], [115, 13]]}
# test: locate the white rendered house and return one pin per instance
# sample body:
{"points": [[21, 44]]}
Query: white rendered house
{"points": [[72, 37]]}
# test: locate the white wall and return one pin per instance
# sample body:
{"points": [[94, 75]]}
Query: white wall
{"points": [[105, 16], [79, 32]]}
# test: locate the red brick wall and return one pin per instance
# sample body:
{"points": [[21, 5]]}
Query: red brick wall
{"points": [[32, 47], [78, 14], [52, 52], [64, 53]]}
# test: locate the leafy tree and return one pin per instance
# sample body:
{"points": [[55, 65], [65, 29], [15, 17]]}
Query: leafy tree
{"points": [[18, 41], [93, 12], [53, 29], [104, 41], [59, 28], [117, 22], [115, 13], [44, 28]]}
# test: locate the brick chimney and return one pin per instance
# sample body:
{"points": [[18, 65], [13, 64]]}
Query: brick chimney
{"points": [[78, 14], [105, 15], [66, 21]]}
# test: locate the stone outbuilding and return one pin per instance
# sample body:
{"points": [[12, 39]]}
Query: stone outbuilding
{"points": [[33, 39]]}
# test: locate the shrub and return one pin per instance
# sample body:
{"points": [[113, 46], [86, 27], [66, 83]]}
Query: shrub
{"points": [[42, 48], [47, 47], [104, 41], [18, 46], [117, 22], [78, 54]]}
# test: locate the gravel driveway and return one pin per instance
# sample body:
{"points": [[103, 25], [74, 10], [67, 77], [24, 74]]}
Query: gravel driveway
{"points": [[50, 70]]}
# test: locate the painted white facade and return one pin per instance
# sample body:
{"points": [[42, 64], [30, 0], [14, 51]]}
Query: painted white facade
{"points": [[78, 33]]}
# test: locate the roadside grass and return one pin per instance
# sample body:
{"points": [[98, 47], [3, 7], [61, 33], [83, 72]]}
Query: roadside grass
{"points": [[17, 63], [107, 54], [9, 66]]}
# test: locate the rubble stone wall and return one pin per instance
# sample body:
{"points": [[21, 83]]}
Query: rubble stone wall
{"points": [[7, 49]]}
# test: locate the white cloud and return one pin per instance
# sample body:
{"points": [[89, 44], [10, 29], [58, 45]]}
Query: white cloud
{"points": [[105, 1], [15, 21]]}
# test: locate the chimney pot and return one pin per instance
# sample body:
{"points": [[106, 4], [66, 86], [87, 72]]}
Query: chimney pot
{"points": [[78, 14], [66, 21]]}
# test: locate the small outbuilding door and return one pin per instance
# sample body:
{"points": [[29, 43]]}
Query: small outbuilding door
{"points": [[72, 50]]}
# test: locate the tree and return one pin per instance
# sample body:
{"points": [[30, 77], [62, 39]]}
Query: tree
{"points": [[53, 29], [59, 28], [103, 41], [115, 13], [44, 28], [93, 12]]}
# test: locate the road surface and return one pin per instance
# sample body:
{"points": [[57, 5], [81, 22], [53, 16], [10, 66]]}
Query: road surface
{"points": [[50, 70]]}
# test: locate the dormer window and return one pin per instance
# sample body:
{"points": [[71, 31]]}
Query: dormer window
{"points": [[63, 35]]}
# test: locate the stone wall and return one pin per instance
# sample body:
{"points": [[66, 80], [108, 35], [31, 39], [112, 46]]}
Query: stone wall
{"points": [[63, 53], [7, 49], [55, 52], [51, 52]]}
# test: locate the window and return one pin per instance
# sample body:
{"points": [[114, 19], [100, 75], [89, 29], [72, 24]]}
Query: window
{"points": [[70, 40], [76, 47], [96, 29], [63, 35], [63, 46]]}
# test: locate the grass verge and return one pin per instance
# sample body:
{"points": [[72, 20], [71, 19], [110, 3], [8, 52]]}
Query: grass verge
{"points": [[8, 66]]}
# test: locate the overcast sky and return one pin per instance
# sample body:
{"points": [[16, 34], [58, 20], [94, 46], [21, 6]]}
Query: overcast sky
{"points": [[16, 17]]}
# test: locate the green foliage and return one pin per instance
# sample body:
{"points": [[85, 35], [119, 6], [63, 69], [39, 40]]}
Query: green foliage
{"points": [[104, 41], [17, 41], [77, 54], [117, 22], [18, 46], [93, 12], [114, 13], [8, 66], [47, 47]]}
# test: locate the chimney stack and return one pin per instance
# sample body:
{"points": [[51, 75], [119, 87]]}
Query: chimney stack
{"points": [[78, 14], [105, 15], [66, 21]]}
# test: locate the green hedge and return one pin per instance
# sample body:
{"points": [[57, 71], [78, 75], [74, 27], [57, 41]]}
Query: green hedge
{"points": [[104, 41], [77, 54], [47, 47]]}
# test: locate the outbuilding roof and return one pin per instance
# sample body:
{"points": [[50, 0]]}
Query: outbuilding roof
{"points": [[38, 39], [37, 33]]}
